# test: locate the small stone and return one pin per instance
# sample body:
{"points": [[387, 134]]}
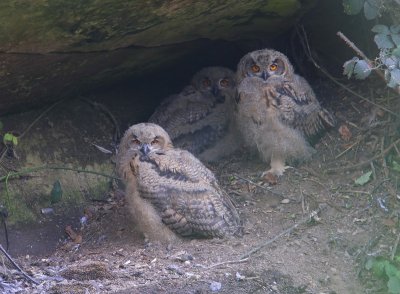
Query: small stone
{"points": [[215, 286], [285, 201], [239, 277]]}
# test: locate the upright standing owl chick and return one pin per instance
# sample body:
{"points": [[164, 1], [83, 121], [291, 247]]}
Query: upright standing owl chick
{"points": [[199, 119], [169, 190], [276, 109]]}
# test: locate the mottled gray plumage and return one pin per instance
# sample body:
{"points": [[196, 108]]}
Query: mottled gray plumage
{"points": [[276, 109], [199, 119], [168, 189]]}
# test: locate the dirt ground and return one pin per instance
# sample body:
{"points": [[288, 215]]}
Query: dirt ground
{"points": [[294, 252]]}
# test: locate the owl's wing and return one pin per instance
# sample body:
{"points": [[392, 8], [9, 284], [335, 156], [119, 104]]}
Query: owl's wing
{"points": [[208, 214], [193, 203], [299, 107], [184, 165]]}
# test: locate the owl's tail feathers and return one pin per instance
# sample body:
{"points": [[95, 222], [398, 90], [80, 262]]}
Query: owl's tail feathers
{"points": [[327, 118]]}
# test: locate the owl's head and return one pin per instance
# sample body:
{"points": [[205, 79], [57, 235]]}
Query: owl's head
{"points": [[144, 139], [217, 81], [264, 64]]}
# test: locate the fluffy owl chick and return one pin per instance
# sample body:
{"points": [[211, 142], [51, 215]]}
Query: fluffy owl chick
{"points": [[276, 109], [199, 119], [169, 190]]}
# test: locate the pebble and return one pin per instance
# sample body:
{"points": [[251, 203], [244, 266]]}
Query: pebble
{"points": [[285, 201], [215, 286]]}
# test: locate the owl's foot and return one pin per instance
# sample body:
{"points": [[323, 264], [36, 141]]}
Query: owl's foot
{"points": [[278, 167]]}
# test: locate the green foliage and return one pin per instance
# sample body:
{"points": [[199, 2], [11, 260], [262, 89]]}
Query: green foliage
{"points": [[10, 138], [383, 268], [363, 179], [56, 192], [387, 39]]}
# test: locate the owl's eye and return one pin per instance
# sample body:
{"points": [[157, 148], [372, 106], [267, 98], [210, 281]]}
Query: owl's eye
{"points": [[135, 141], [155, 141], [273, 67], [224, 83], [206, 82], [255, 68]]}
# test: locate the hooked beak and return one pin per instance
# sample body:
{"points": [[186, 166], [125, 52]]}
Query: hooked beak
{"points": [[264, 75], [145, 149], [215, 90]]}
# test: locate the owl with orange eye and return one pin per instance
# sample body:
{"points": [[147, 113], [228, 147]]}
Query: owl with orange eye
{"points": [[277, 111], [169, 192], [200, 118]]}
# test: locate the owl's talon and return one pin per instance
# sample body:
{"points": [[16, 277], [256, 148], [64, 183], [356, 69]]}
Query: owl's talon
{"points": [[276, 170]]}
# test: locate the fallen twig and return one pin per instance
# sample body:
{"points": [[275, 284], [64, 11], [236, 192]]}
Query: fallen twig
{"points": [[287, 231], [26, 276], [225, 263], [361, 164]]}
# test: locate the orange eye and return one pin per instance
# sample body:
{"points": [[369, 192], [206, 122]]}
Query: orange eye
{"points": [[224, 83], [273, 67], [155, 141], [255, 68], [206, 82], [135, 141]]}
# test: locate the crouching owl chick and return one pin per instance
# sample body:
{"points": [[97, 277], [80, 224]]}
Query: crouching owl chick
{"points": [[199, 119], [169, 190], [277, 111]]}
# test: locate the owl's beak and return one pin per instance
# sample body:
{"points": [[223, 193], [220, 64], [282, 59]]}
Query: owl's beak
{"points": [[145, 149], [215, 90], [264, 75]]}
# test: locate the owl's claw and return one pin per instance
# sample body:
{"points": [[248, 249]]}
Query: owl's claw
{"points": [[278, 167]]}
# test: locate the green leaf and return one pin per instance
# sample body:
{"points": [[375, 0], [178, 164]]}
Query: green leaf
{"points": [[383, 41], [396, 52], [395, 75], [363, 179], [396, 167], [380, 29], [391, 270], [371, 10], [377, 266], [396, 39], [56, 193], [362, 70], [390, 61], [15, 140], [395, 29], [348, 67], [352, 7], [394, 285], [7, 138]]}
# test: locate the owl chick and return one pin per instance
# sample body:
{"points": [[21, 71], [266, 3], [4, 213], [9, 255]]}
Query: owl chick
{"points": [[199, 119], [169, 190], [277, 111]]}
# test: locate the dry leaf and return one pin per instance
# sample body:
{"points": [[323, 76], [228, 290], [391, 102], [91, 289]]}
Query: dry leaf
{"points": [[270, 179], [75, 237], [345, 132]]}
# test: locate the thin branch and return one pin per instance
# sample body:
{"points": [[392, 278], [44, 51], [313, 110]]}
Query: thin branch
{"points": [[26, 276], [287, 231], [40, 117], [117, 134], [306, 47], [361, 164], [363, 56], [45, 167], [226, 262]]}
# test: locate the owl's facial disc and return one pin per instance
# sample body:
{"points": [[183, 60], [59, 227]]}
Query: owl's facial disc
{"points": [[276, 68]]}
